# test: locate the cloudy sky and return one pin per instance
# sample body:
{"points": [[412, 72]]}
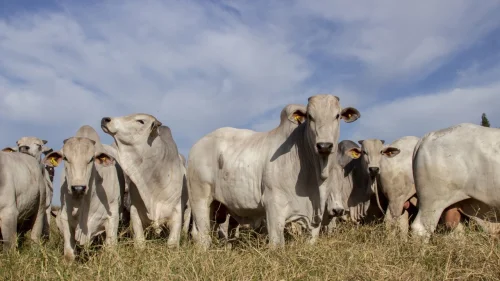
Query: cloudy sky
{"points": [[199, 65]]}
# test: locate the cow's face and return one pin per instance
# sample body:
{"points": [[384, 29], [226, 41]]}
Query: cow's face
{"points": [[33, 146], [323, 119], [371, 152], [79, 155], [134, 129]]}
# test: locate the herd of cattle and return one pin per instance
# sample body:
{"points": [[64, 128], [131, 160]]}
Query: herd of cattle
{"points": [[297, 172]]}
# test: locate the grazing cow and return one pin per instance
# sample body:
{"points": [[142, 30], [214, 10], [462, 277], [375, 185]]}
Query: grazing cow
{"points": [[90, 190], [279, 174], [22, 197], [36, 147], [457, 166], [149, 157]]}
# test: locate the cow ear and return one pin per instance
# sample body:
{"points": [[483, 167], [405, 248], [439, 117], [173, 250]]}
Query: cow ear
{"points": [[361, 142], [298, 116], [10, 149], [44, 141], [46, 150], [382, 141], [53, 159], [104, 159], [350, 114], [354, 153], [390, 151]]}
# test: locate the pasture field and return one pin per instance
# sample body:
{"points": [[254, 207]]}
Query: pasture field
{"points": [[350, 253]]}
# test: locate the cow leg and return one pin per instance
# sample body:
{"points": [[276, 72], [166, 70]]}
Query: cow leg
{"points": [[69, 239], [314, 235], [175, 227], [275, 219], [8, 226], [430, 211], [111, 229], [137, 227], [201, 200], [403, 225], [37, 230], [187, 219]]}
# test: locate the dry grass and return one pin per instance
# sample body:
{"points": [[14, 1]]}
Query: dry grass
{"points": [[351, 253]]}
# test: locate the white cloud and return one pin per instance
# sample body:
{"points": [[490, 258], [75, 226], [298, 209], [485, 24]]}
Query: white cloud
{"points": [[418, 115]]}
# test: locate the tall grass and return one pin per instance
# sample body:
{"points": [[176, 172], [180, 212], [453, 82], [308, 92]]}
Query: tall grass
{"points": [[350, 253]]}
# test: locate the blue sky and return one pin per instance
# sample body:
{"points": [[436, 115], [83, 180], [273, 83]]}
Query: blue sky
{"points": [[199, 65]]}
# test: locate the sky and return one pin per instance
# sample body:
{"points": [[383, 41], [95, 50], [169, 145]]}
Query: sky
{"points": [[408, 67]]}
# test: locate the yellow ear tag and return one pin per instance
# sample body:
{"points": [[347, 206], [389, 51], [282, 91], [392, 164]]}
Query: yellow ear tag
{"points": [[349, 116], [355, 154], [297, 118], [103, 159], [53, 161]]}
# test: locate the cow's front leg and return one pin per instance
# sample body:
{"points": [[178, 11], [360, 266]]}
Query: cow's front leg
{"points": [[275, 219], [137, 227], [175, 227]]}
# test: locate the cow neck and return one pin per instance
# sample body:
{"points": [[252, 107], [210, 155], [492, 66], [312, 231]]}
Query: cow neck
{"points": [[131, 159], [321, 169]]}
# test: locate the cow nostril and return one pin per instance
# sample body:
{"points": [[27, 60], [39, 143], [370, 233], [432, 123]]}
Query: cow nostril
{"points": [[78, 189], [105, 120], [324, 147], [338, 211], [373, 170]]}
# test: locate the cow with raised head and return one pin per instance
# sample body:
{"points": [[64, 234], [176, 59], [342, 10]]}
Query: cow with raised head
{"points": [[149, 157], [278, 175]]}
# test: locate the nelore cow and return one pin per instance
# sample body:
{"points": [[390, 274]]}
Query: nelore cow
{"points": [[90, 190], [149, 157], [36, 147], [22, 197], [457, 167], [278, 175]]}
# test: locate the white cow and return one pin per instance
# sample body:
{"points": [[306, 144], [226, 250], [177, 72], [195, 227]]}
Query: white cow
{"points": [[397, 184], [22, 197], [278, 175], [36, 147], [149, 157], [457, 166], [90, 190]]}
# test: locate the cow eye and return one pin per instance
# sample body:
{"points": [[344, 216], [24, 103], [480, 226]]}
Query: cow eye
{"points": [[337, 117], [91, 159], [141, 121], [65, 159]]}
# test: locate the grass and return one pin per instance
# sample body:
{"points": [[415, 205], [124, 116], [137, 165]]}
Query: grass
{"points": [[350, 253]]}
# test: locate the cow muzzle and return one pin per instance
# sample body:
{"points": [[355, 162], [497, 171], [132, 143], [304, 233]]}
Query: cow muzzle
{"points": [[324, 148], [78, 189], [104, 124], [24, 149], [373, 171]]}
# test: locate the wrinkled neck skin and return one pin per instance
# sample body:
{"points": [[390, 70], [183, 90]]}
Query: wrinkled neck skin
{"points": [[133, 160], [322, 167]]}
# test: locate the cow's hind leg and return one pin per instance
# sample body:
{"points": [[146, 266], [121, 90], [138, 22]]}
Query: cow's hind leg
{"points": [[8, 226], [200, 208], [430, 209]]}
